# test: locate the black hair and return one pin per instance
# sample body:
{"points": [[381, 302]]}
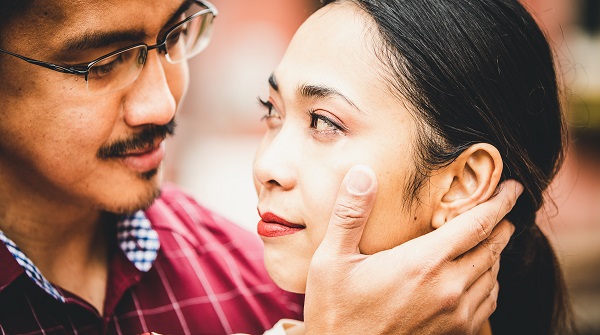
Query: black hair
{"points": [[481, 71]]}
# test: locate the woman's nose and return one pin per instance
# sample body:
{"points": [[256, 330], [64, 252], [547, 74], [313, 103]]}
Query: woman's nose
{"points": [[277, 161]]}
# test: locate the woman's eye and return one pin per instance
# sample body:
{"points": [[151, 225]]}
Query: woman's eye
{"points": [[269, 107], [272, 116], [321, 123]]}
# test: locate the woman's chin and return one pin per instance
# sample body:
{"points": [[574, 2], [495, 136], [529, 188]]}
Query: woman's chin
{"points": [[288, 279], [288, 269], [292, 287]]}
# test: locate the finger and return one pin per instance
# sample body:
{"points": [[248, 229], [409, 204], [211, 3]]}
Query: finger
{"points": [[486, 308], [480, 289], [500, 237], [468, 229], [481, 297], [481, 258], [496, 269], [351, 211]]}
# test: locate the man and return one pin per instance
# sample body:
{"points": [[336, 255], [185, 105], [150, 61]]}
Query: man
{"points": [[89, 93]]}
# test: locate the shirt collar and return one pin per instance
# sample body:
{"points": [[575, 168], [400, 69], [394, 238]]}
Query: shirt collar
{"points": [[135, 236]]}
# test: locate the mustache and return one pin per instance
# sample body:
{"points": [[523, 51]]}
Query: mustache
{"points": [[146, 138]]}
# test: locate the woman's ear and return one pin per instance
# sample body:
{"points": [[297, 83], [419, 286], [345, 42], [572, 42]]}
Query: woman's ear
{"points": [[468, 181]]}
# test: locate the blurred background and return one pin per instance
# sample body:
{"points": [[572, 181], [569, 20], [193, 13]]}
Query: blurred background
{"points": [[219, 124], [219, 128]]}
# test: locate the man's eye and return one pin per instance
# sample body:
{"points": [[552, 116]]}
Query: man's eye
{"points": [[105, 67], [175, 36]]}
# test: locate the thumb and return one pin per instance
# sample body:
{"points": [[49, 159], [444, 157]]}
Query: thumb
{"points": [[350, 212]]}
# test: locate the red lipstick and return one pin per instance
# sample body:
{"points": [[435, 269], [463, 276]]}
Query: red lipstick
{"points": [[272, 225]]}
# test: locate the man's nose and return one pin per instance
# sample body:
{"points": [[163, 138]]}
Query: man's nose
{"points": [[150, 100]]}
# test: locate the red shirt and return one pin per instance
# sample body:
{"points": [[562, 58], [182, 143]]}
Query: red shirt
{"points": [[208, 278]]}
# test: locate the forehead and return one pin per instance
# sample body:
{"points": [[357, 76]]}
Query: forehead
{"points": [[48, 22], [340, 30], [337, 46]]}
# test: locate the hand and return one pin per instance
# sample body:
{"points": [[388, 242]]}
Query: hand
{"points": [[442, 282]]}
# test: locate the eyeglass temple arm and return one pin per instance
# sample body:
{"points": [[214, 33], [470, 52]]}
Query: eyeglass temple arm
{"points": [[208, 5], [48, 65]]}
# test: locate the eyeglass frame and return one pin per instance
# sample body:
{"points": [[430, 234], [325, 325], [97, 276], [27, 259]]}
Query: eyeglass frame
{"points": [[161, 46]]}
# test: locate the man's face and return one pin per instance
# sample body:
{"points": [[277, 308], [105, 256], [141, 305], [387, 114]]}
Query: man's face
{"points": [[59, 142]]}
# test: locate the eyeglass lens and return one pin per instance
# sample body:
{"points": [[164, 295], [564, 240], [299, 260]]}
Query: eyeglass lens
{"points": [[119, 70], [116, 71], [189, 38]]}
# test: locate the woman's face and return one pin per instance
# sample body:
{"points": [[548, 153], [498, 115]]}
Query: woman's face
{"points": [[331, 109]]}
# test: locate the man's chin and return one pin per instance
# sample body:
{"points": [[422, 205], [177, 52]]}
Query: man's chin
{"points": [[141, 203], [142, 200]]}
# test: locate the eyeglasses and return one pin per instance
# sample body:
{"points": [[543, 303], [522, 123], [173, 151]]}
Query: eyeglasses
{"points": [[120, 68]]}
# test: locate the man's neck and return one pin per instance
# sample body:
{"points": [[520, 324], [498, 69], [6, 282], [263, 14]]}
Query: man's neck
{"points": [[68, 244]]}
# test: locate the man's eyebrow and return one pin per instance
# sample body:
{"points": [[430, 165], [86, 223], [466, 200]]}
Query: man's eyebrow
{"points": [[99, 39], [321, 91]]}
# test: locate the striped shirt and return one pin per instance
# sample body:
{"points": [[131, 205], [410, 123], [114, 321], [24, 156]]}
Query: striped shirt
{"points": [[179, 269]]}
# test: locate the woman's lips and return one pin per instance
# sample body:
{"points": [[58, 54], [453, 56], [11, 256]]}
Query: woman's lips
{"points": [[144, 161], [271, 225]]}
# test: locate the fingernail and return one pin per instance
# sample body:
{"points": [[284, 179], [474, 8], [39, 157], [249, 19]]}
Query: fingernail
{"points": [[519, 189], [360, 180]]}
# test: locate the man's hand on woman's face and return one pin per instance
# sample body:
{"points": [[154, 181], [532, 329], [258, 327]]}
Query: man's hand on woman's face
{"points": [[442, 282]]}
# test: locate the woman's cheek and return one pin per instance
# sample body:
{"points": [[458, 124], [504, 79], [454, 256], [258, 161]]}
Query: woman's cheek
{"points": [[321, 206]]}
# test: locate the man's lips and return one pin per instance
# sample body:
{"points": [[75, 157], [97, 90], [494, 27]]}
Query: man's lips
{"points": [[272, 225], [146, 159]]}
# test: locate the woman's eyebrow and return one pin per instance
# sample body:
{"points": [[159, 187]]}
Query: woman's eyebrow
{"points": [[322, 91], [315, 91]]}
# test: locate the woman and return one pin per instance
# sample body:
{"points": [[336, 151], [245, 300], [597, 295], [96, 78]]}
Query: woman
{"points": [[443, 100]]}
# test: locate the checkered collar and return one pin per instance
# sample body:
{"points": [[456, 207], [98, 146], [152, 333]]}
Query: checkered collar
{"points": [[135, 236]]}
